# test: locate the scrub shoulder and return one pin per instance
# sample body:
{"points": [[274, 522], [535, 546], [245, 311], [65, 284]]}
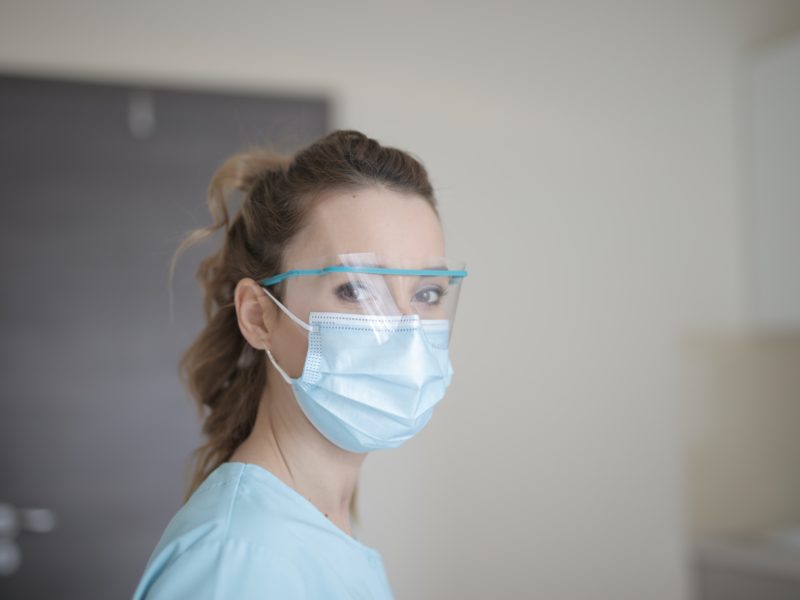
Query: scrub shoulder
{"points": [[243, 535]]}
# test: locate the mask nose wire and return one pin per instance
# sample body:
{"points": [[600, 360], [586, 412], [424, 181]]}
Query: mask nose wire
{"points": [[289, 313]]}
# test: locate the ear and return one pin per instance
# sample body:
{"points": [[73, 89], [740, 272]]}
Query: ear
{"points": [[256, 313]]}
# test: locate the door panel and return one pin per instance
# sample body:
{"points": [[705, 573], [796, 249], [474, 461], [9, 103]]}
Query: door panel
{"points": [[98, 184]]}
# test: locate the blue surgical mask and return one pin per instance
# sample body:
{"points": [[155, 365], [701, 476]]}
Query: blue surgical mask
{"points": [[363, 392]]}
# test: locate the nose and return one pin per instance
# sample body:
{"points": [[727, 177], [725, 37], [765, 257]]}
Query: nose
{"points": [[407, 309], [400, 289]]}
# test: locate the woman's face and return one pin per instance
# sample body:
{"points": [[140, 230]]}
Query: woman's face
{"points": [[374, 220]]}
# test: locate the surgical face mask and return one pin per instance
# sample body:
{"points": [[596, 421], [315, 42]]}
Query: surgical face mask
{"points": [[364, 391]]}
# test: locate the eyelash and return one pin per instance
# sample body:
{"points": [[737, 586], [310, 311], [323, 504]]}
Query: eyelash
{"points": [[441, 292], [346, 288], [341, 290]]}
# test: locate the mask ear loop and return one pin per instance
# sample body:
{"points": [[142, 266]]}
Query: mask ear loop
{"points": [[275, 364], [289, 313], [294, 318]]}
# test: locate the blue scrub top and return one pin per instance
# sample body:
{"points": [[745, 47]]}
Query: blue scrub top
{"points": [[245, 534]]}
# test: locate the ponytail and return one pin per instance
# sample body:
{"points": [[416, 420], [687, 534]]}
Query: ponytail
{"points": [[220, 369]]}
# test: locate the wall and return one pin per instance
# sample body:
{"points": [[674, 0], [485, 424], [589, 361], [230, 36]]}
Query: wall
{"points": [[588, 157], [742, 401], [774, 142]]}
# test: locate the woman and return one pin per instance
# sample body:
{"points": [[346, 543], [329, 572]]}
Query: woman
{"points": [[329, 309]]}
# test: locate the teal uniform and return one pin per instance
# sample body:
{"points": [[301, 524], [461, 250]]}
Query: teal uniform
{"points": [[245, 534]]}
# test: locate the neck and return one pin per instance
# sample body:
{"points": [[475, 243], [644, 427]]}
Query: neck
{"points": [[285, 443]]}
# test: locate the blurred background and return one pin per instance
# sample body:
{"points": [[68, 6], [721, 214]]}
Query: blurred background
{"points": [[622, 179]]}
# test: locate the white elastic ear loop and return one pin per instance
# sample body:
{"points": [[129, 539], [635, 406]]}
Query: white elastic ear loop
{"points": [[294, 318], [277, 366]]}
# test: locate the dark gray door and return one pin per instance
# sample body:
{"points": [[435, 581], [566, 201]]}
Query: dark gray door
{"points": [[98, 183]]}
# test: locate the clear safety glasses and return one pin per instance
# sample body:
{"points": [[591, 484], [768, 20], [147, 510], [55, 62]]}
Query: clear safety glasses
{"points": [[384, 293]]}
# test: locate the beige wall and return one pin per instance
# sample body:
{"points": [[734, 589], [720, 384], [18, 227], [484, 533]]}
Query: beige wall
{"points": [[588, 157]]}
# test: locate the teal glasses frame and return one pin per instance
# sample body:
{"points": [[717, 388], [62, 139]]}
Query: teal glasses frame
{"points": [[453, 274]]}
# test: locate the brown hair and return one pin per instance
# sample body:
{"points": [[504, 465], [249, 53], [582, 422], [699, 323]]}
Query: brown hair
{"points": [[223, 373]]}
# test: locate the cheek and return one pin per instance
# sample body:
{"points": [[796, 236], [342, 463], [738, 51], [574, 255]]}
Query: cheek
{"points": [[290, 345]]}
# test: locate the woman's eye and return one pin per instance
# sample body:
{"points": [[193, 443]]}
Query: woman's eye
{"points": [[352, 292], [431, 295]]}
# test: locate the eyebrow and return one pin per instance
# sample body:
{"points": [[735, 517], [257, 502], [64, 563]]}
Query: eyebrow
{"points": [[431, 268]]}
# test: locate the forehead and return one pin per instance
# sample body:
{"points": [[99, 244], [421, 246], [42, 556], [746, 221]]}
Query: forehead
{"points": [[370, 219]]}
